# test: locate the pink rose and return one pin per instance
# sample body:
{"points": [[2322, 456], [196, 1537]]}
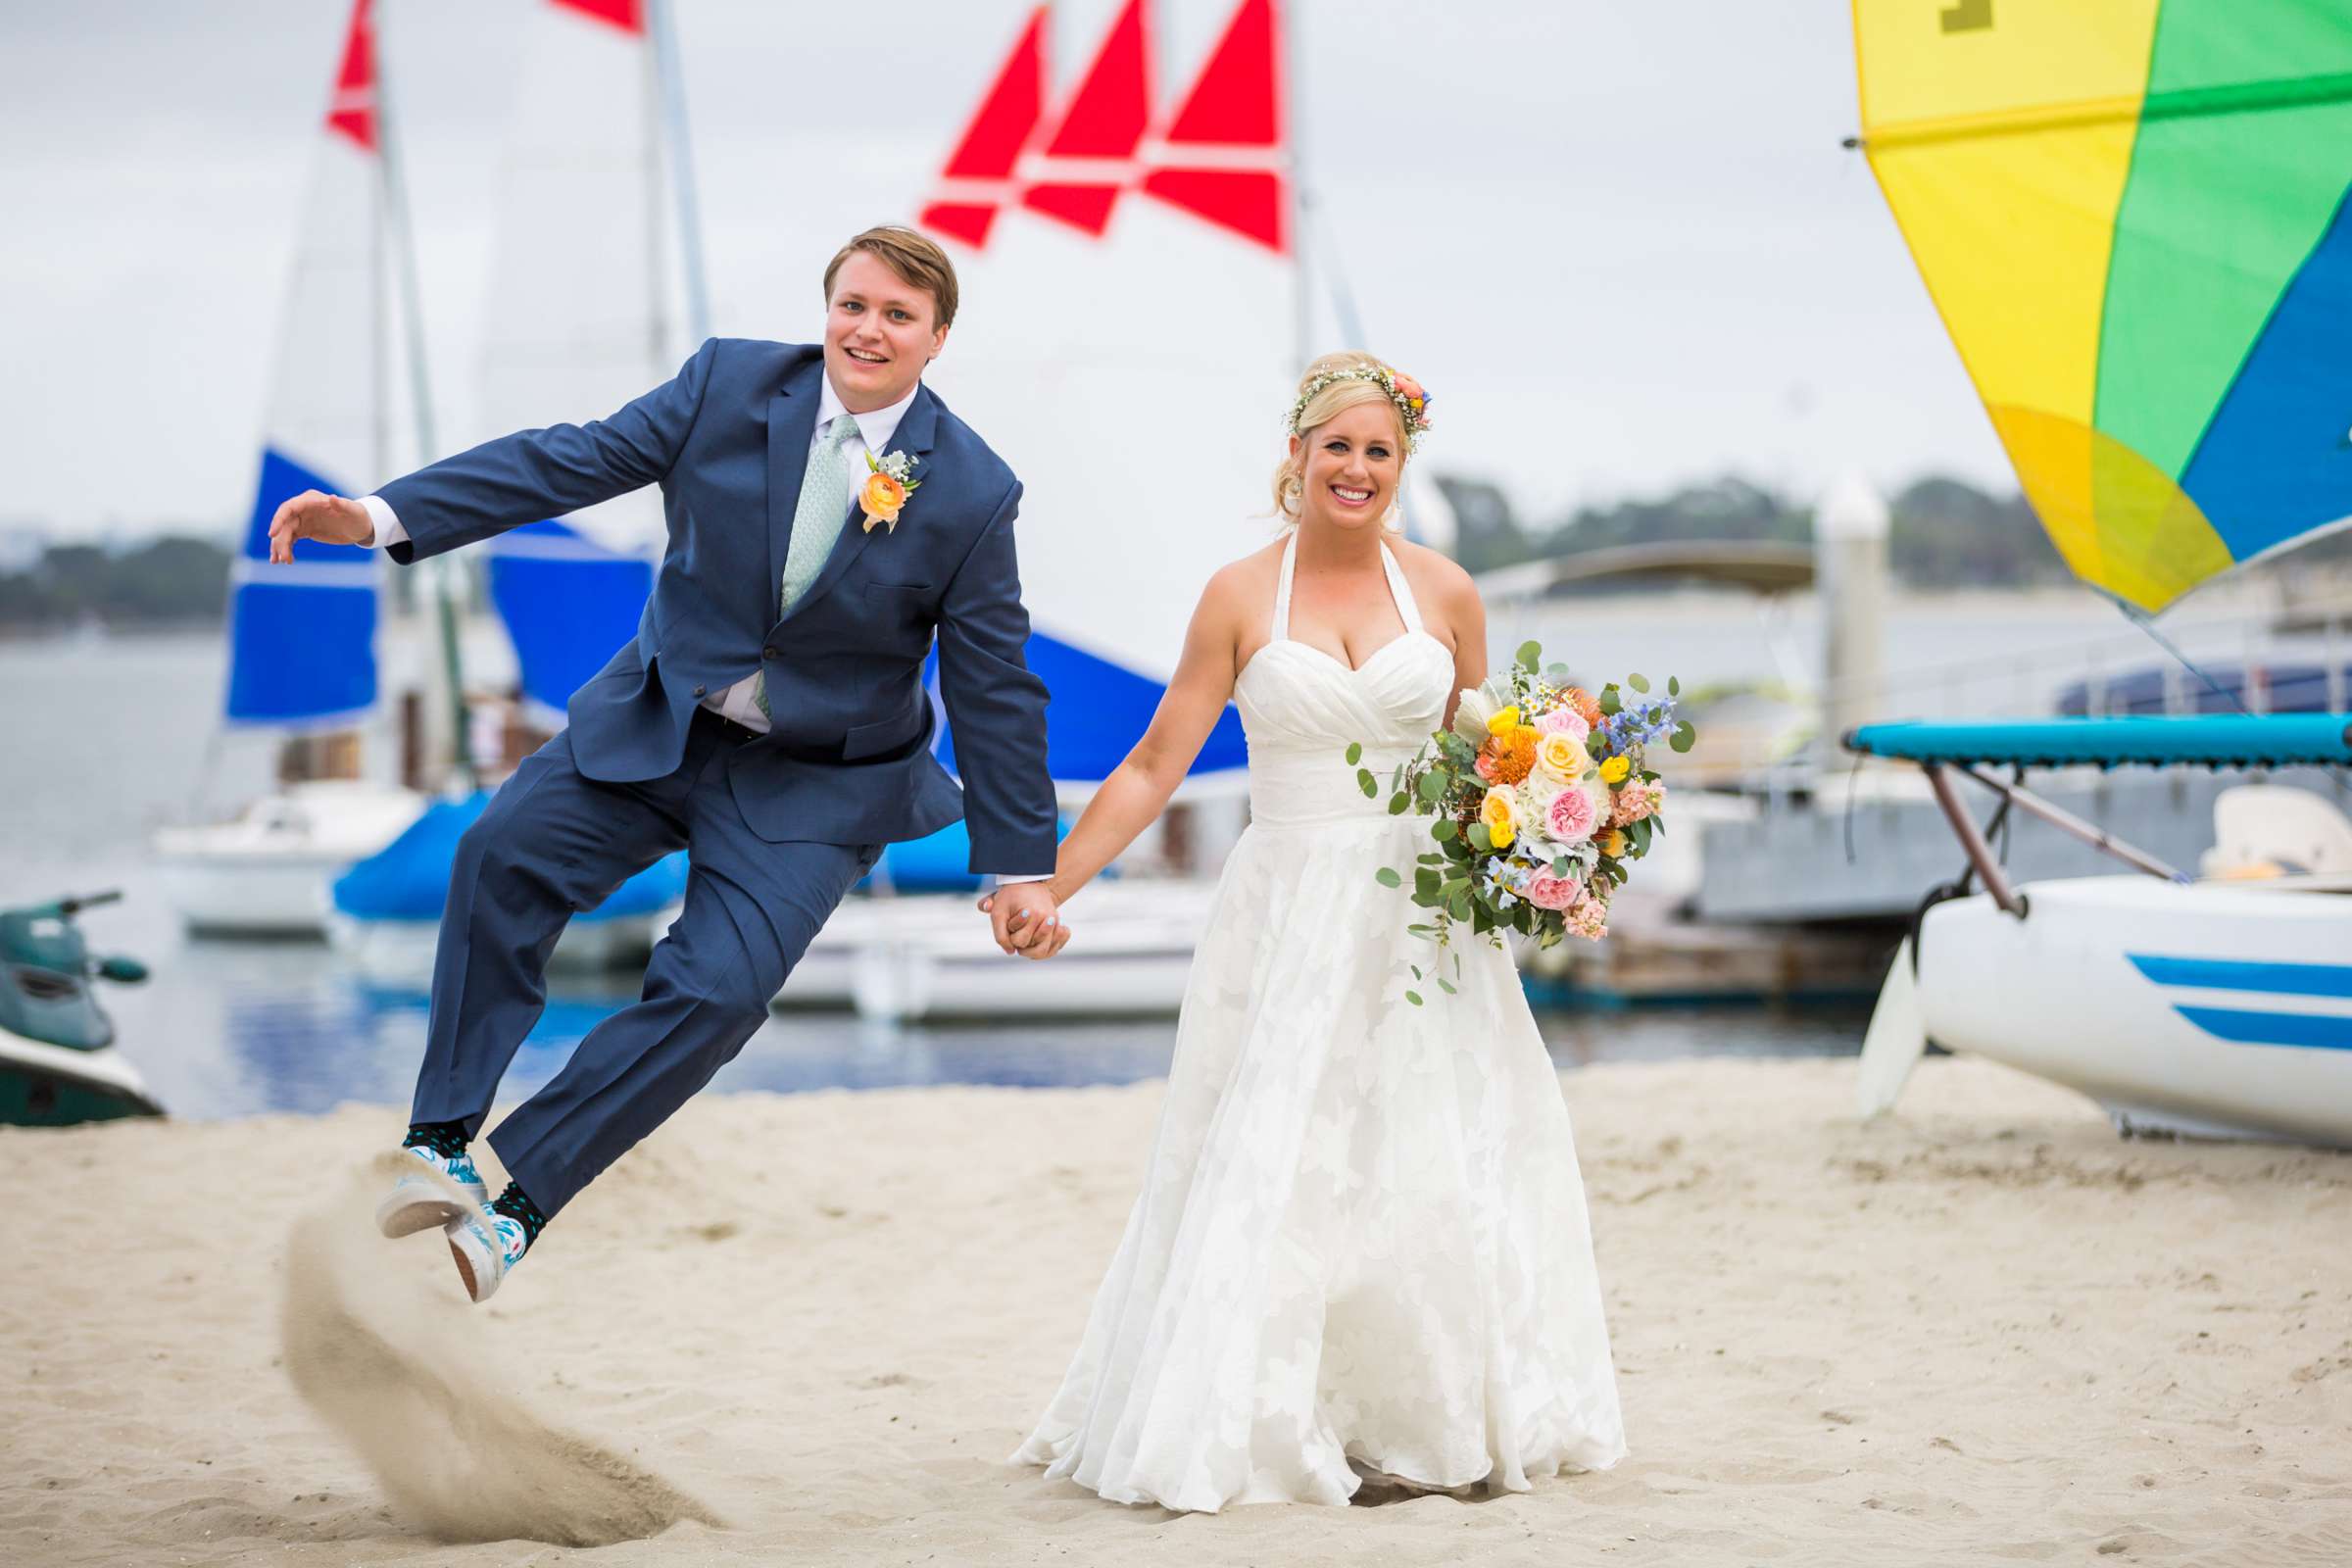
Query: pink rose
{"points": [[1485, 765], [1570, 817], [1547, 892], [1565, 721]]}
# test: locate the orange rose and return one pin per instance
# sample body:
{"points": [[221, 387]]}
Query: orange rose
{"points": [[881, 499]]}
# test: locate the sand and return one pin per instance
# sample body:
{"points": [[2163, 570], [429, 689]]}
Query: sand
{"points": [[809, 1329]]}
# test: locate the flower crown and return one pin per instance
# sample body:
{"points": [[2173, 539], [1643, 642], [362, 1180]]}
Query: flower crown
{"points": [[1412, 402]]}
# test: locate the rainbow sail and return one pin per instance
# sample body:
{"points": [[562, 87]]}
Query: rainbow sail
{"points": [[2135, 216]]}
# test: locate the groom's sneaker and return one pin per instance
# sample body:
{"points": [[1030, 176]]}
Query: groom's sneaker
{"points": [[419, 1202], [487, 1245]]}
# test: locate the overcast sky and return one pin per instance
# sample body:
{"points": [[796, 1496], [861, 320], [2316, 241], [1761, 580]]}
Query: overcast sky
{"points": [[1620, 241]]}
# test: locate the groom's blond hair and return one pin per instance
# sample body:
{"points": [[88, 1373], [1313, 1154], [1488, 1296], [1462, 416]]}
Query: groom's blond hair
{"points": [[912, 257]]}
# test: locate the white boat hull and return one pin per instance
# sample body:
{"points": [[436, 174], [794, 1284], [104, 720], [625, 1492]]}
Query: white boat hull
{"points": [[2208, 1010], [908, 958], [266, 873], [399, 954]]}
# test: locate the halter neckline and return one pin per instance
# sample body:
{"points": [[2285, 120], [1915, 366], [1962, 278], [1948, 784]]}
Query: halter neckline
{"points": [[1399, 591]]}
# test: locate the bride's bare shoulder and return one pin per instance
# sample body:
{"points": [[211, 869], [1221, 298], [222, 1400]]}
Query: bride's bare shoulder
{"points": [[1438, 579], [1239, 585]]}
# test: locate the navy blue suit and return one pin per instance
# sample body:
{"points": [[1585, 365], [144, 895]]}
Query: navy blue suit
{"points": [[777, 828]]}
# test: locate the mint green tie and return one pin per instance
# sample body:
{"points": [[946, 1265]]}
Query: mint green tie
{"points": [[816, 519]]}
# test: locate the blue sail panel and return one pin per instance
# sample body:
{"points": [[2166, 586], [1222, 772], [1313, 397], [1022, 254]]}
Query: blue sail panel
{"points": [[1098, 712], [300, 653], [567, 602], [301, 638]]}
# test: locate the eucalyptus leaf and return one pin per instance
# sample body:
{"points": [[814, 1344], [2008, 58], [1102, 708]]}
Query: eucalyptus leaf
{"points": [[1446, 986], [1639, 683], [1367, 783], [1683, 736], [1674, 686], [1386, 877], [1398, 803], [1609, 702], [1355, 753], [1413, 996], [1430, 788], [1531, 656], [1444, 830], [1481, 839]]}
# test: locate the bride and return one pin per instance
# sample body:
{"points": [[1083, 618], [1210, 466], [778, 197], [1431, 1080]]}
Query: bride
{"points": [[1361, 1249]]}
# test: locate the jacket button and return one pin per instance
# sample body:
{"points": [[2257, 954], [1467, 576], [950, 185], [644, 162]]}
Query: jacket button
{"points": [[697, 691], [768, 653]]}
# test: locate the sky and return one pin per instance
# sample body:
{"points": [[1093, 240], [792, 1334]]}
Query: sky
{"points": [[1620, 243]]}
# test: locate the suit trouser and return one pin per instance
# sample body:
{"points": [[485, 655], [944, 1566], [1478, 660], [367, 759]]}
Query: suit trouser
{"points": [[552, 842]]}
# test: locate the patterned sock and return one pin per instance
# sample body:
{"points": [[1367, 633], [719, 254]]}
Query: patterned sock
{"points": [[446, 1139], [518, 1207]]}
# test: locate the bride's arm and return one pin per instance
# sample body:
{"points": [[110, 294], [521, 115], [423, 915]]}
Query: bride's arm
{"points": [[1138, 789], [1466, 623]]}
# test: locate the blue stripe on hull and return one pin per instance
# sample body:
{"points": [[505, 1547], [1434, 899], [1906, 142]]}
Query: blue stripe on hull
{"points": [[2224, 974], [2314, 1031]]}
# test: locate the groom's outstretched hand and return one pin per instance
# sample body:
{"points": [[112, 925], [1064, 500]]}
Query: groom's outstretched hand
{"points": [[315, 515], [1025, 919]]}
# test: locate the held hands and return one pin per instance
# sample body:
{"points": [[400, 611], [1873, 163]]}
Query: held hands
{"points": [[315, 514], [1026, 919]]}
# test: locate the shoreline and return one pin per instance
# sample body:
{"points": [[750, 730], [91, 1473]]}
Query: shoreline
{"points": [[1983, 1329]]}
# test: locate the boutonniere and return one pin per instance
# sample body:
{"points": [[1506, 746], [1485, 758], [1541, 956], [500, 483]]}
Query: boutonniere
{"points": [[887, 488]]}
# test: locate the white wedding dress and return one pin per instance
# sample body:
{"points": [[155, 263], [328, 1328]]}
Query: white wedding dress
{"points": [[1361, 1235]]}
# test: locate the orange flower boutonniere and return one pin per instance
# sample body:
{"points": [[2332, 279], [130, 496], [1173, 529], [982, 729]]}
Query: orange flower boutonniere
{"points": [[887, 488]]}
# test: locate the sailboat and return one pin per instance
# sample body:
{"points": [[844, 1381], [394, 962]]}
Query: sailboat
{"points": [[1106, 191], [581, 318], [302, 639], [2136, 221]]}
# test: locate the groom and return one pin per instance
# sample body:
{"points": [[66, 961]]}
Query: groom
{"points": [[770, 718]]}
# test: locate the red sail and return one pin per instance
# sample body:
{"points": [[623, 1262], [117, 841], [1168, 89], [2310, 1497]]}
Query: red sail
{"points": [[1226, 142], [626, 15], [977, 178], [1105, 121], [352, 112]]}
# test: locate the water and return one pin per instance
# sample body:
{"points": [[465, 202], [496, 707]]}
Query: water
{"points": [[109, 737]]}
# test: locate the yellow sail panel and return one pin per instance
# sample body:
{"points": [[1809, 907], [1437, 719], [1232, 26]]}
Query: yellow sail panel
{"points": [[2001, 134]]}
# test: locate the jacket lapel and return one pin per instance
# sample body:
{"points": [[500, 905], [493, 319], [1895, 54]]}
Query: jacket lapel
{"points": [[790, 424], [914, 437]]}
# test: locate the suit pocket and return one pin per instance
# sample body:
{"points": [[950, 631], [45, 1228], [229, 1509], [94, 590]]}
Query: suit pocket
{"points": [[885, 735]]}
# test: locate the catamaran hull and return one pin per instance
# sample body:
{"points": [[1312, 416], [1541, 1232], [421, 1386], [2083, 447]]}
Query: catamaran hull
{"points": [[2204, 1011]]}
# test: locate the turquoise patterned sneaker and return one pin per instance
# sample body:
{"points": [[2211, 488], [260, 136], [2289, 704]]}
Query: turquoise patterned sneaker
{"points": [[486, 1246], [418, 1201]]}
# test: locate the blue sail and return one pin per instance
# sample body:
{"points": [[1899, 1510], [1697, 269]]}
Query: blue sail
{"points": [[1099, 710], [302, 638], [567, 602]]}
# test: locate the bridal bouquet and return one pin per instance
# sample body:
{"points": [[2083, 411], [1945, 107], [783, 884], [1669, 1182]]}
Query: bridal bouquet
{"points": [[1543, 799]]}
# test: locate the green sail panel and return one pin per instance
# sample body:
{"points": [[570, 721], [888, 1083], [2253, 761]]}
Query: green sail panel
{"points": [[2241, 161]]}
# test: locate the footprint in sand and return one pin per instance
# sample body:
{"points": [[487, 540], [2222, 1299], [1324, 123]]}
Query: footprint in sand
{"points": [[396, 1368]]}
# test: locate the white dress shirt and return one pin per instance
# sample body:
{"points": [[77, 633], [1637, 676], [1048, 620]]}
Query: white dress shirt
{"points": [[739, 702]]}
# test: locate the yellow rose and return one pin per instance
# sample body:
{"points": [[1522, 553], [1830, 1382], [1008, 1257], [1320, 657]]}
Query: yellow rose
{"points": [[1561, 756], [1500, 817], [1613, 771], [1612, 844], [881, 499], [1504, 721]]}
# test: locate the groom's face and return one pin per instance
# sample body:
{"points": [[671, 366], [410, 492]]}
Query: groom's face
{"points": [[879, 333]]}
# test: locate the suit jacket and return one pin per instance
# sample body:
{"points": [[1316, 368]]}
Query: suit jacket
{"points": [[849, 759]]}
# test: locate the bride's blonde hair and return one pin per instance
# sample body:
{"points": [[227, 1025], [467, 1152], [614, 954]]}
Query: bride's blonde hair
{"points": [[1357, 384]]}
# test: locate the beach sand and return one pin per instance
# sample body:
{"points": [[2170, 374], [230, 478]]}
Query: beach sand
{"points": [[1981, 1331]]}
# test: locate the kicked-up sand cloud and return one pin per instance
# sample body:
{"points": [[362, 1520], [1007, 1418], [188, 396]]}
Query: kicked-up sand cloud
{"points": [[399, 1369]]}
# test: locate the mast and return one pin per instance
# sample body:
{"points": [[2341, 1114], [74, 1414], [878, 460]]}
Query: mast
{"points": [[671, 99], [451, 665]]}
